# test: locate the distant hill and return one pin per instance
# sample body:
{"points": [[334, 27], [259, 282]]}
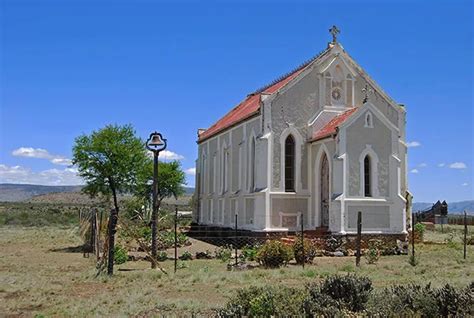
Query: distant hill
{"points": [[21, 192], [48, 194], [453, 207]]}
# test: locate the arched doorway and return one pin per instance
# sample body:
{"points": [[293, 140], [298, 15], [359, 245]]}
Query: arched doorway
{"points": [[324, 191]]}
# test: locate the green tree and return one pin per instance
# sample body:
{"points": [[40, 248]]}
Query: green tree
{"points": [[171, 179], [111, 160], [170, 184]]}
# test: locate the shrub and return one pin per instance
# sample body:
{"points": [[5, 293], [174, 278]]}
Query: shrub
{"points": [[162, 256], [204, 255], [453, 302], [413, 260], [351, 291], [304, 251], [372, 254], [120, 254], [186, 256], [249, 253], [419, 231], [415, 300], [274, 254], [317, 304], [224, 253], [279, 301], [166, 239]]}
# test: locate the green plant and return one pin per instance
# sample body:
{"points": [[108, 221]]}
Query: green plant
{"points": [[277, 301], [120, 254], [351, 291], [372, 255], [161, 256], [224, 253], [181, 265], [204, 255], [249, 253], [186, 256], [304, 250], [413, 260], [274, 254], [166, 239], [420, 231], [110, 161]]}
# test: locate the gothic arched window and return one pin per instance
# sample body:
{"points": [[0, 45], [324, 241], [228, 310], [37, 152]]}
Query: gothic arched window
{"points": [[290, 164], [367, 177], [252, 165], [368, 121]]}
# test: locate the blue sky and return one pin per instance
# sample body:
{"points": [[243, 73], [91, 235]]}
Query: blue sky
{"points": [[69, 67]]}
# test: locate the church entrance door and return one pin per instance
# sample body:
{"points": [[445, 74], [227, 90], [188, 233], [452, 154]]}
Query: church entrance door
{"points": [[324, 195]]}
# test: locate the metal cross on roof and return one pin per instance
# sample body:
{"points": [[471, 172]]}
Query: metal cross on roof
{"points": [[334, 31], [367, 90]]}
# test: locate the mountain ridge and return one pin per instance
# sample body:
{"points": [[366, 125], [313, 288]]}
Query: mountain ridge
{"points": [[12, 192]]}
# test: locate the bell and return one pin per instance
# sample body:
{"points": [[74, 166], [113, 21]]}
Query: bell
{"points": [[156, 140]]}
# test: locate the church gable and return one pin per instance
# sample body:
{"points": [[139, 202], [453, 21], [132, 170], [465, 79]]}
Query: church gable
{"points": [[338, 83]]}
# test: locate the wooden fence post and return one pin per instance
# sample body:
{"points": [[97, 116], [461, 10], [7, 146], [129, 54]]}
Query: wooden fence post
{"points": [[465, 232], [302, 239], [175, 238], [359, 237], [235, 242], [413, 239]]}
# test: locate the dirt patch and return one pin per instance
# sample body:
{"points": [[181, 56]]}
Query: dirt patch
{"points": [[86, 289]]}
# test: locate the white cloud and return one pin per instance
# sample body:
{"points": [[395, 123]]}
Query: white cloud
{"points": [[458, 165], [32, 153], [412, 144], [190, 171], [40, 153], [61, 161], [422, 165], [19, 174], [441, 165], [414, 171], [167, 155], [465, 184]]}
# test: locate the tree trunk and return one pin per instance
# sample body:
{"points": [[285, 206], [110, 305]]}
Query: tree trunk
{"points": [[111, 231]]}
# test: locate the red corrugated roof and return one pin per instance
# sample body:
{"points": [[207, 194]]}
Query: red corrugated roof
{"points": [[251, 105], [331, 127]]}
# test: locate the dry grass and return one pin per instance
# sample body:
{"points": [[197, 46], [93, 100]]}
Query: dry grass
{"points": [[42, 273]]}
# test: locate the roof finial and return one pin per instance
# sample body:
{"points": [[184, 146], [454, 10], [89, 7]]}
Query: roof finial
{"points": [[366, 90], [334, 32]]}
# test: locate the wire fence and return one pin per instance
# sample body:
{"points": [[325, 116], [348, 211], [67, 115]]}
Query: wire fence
{"points": [[179, 239]]}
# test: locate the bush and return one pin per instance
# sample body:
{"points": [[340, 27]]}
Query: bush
{"points": [[249, 253], [161, 256], [348, 296], [166, 239], [350, 291], [415, 300], [372, 254], [120, 254], [204, 255], [304, 251], [265, 301], [224, 253], [419, 231], [274, 254], [453, 302], [186, 256]]}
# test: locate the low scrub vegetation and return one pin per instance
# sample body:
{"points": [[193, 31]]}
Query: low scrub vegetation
{"points": [[350, 295], [274, 254], [304, 251]]}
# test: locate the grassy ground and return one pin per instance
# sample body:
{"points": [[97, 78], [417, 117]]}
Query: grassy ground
{"points": [[43, 272]]}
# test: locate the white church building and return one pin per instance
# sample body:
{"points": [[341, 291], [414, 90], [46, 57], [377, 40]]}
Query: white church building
{"points": [[315, 147]]}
